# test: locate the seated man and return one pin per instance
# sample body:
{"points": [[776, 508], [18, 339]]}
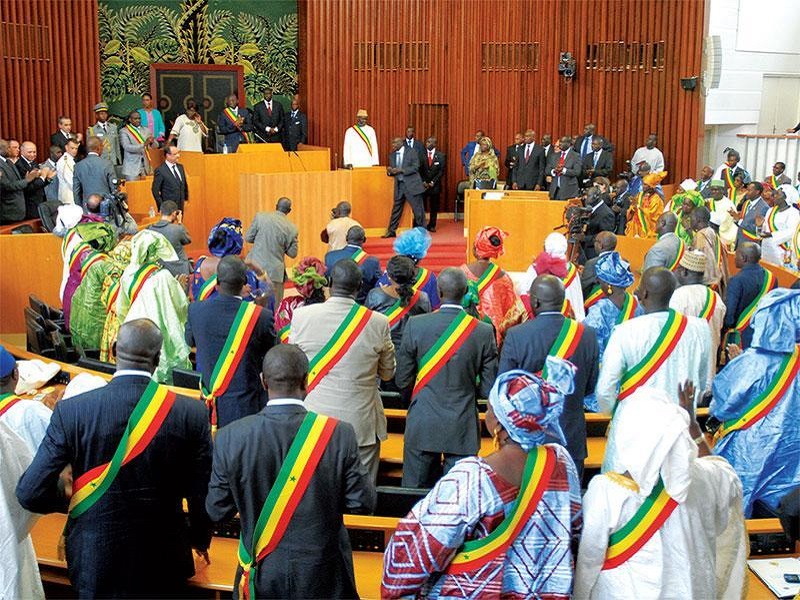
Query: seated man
{"points": [[696, 546], [369, 265], [757, 399]]}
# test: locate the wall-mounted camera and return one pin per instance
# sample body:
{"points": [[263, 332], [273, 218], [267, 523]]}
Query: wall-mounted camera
{"points": [[566, 65]]}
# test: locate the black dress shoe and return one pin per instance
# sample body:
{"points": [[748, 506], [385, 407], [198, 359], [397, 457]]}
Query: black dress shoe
{"points": [[389, 234], [431, 229]]}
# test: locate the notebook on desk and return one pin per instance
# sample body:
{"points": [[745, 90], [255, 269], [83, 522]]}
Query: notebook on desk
{"points": [[780, 575]]}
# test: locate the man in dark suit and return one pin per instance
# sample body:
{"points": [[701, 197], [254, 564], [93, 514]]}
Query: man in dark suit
{"points": [[295, 130], [369, 265], [412, 143], [529, 173], [547, 145], [756, 207], [92, 175], [601, 219], [621, 202], [234, 123], [312, 558], [526, 347], [12, 186], [565, 169], [598, 163], [604, 242], [207, 328], [512, 159], [268, 120], [442, 424], [744, 287], [169, 180], [583, 143], [404, 167], [35, 190], [432, 169], [64, 134], [134, 540]]}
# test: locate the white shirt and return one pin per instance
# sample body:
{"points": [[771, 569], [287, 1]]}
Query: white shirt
{"points": [[29, 419], [786, 222], [64, 171], [722, 219], [189, 133], [356, 152], [285, 402], [652, 156]]}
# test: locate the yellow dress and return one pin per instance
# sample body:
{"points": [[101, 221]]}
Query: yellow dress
{"points": [[643, 214]]}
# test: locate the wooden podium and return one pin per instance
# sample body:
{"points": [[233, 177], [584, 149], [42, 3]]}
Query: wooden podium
{"points": [[372, 194]]}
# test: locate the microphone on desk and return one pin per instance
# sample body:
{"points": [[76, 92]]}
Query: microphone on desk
{"points": [[300, 158]]}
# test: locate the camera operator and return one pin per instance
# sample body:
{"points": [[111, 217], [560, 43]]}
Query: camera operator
{"points": [[335, 232], [113, 208], [600, 218]]}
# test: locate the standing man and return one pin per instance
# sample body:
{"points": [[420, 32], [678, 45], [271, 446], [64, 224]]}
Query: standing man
{"points": [[135, 140], [745, 290], [704, 183], [127, 521], [274, 237], [64, 133], [51, 189], [601, 220], [669, 248], [528, 345], [547, 145], [777, 228], [35, 190], [755, 207], [404, 167], [354, 250], [151, 119], [335, 232], [707, 241], [512, 159], [235, 123], [349, 347], [250, 459], [443, 355], [598, 163], [649, 154], [93, 175], [171, 227], [412, 143], [434, 166], [723, 213], [565, 168], [230, 388], [268, 120], [529, 171], [728, 171], [604, 242], [621, 203], [360, 144], [468, 151], [66, 173], [583, 143], [778, 177], [169, 180], [296, 130], [108, 133]]}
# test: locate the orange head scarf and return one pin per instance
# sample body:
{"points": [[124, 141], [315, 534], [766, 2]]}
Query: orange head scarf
{"points": [[489, 242]]}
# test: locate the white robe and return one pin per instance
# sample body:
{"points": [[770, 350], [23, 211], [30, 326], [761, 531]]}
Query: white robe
{"points": [[723, 219], [355, 151], [654, 158], [699, 552], [29, 420], [573, 293], [190, 135], [65, 168], [786, 223]]}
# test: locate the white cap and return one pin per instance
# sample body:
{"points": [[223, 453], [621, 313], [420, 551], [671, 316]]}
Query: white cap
{"points": [[555, 244]]}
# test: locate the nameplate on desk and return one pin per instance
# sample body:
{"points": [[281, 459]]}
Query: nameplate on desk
{"points": [[492, 195]]}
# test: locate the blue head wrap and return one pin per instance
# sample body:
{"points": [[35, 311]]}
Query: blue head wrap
{"points": [[528, 407], [413, 243], [611, 269], [226, 238], [7, 362], [776, 322]]}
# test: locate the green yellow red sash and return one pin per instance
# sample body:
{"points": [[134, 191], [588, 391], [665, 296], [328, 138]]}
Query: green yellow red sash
{"points": [[137, 135], [641, 219], [729, 182], [341, 341], [74, 258], [283, 333], [773, 224], [71, 235], [397, 312], [140, 277], [667, 339], [208, 287], [443, 349], [796, 242], [364, 137], [566, 342], [753, 237], [143, 424], [628, 309], [707, 312], [228, 111], [593, 298], [767, 285], [572, 273], [92, 259], [681, 252], [359, 256], [284, 496], [487, 278], [474, 554], [110, 295], [642, 526], [760, 406], [230, 356], [566, 309], [423, 277], [775, 184], [7, 401]]}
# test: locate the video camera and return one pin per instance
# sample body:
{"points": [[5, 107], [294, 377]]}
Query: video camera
{"points": [[114, 204]]}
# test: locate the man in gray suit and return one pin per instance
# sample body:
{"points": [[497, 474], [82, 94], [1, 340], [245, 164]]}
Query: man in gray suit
{"points": [[93, 175], [273, 237], [136, 159], [755, 207], [565, 168], [442, 425], [108, 134], [408, 186], [666, 249]]}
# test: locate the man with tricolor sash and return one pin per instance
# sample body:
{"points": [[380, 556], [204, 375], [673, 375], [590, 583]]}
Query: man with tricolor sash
{"points": [[604, 242], [137, 450], [231, 336], [754, 207], [669, 248], [655, 350], [354, 250], [708, 242], [27, 418], [756, 397], [135, 141], [349, 347], [360, 143], [778, 227], [449, 359], [667, 523], [694, 299], [235, 123], [549, 333], [290, 474]]}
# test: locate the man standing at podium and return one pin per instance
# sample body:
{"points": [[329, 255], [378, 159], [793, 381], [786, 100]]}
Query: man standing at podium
{"points": [[268, 119], [235, 124], [408, 186], [361, 144]]}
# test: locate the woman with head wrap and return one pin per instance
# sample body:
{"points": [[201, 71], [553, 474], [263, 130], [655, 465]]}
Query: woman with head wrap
{"points": [[309, 280], [683, 205], [226, 239], [118, 260], [414, 244], [494, 289], [553, 261], [645, 208], [691, 542], [88, 313], [483, 166], [525, 497]]}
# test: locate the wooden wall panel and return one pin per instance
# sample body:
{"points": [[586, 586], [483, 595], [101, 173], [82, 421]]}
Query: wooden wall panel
{"points": [[626, 103], [50, 66]]}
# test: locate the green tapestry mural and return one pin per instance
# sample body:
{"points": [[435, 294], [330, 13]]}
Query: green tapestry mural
{"points": [[259, 35]]}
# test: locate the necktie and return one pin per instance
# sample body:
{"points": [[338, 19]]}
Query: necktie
{"points": [[585, 148], [527, 153], [430, 158], [596, 156], [176, 173], [269, 108], [561, 160], [103, 125]]}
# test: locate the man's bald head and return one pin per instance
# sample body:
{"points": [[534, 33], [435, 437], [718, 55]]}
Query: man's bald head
{"points": [[748, 253], [700, 218], [343, 209], [605, 241], [231, 275], [356, 235], [138, 345], [346, 278], [284, 372], [546, 294], [666, 223], [656, 288], [94, 144], [284, 205], [452, 284]]}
